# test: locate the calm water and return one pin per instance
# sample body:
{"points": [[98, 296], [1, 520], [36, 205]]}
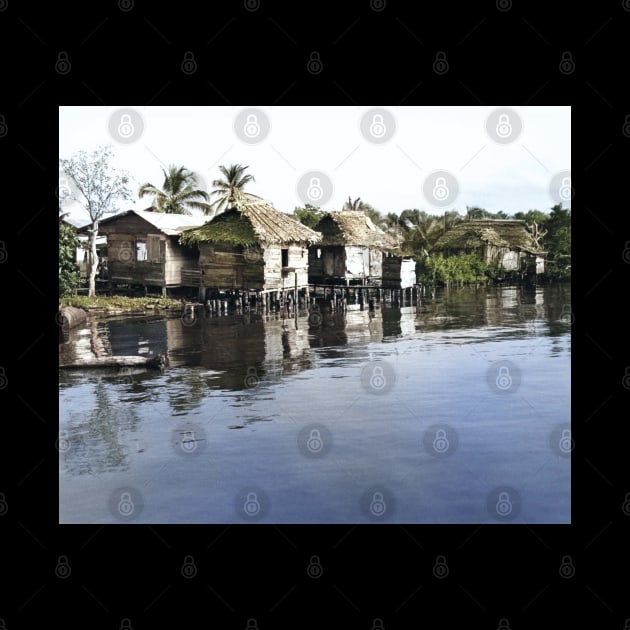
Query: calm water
{"points": [[454, 411]]}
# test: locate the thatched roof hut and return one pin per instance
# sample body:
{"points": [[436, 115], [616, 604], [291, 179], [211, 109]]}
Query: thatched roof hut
{"points": [[509, 234], [252, 246], [507, 241], [352, 251], [350, 227], [252, 220]]}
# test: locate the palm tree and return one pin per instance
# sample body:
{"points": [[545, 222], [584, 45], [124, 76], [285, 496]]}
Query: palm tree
{"points": [[179, 192], [227, 188], [361, 206], [356, 206]]}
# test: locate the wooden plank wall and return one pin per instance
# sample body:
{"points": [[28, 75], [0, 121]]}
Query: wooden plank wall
{"points": [[225, 267], [178, 257]]}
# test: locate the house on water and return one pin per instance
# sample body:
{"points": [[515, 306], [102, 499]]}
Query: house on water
{"points": [[507, 242], [143, 250], [251, 246], [355, 251]]}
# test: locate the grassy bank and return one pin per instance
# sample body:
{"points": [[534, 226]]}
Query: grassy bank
{"points": [[120, 303]]}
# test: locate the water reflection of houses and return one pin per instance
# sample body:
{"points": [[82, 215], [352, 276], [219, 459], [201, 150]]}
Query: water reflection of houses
{"points": [[240, 351], [342, 328]]}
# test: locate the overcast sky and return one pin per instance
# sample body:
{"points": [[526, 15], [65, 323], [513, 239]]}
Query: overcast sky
{"points": [[431, 158]]}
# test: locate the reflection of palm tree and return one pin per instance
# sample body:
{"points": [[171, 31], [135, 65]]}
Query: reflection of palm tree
{"points": [[234, 180], [179, 193]]}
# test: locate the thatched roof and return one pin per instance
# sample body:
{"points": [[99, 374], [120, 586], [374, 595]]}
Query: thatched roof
{"points": [[351, 227], [497, 233], [252, 220]]}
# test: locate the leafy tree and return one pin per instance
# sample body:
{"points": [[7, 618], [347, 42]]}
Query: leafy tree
{"points": [[308, 215], [68, 269], [98, 187], [558, 238], [531, 216], [454, 269], [179, 193], [473, 213], [234, 180]]}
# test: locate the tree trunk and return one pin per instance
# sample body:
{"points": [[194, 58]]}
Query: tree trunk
{"points": [[92, 259]]}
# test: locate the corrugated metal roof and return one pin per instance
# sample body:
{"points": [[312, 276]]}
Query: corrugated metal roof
{"points": [[170, 224]]}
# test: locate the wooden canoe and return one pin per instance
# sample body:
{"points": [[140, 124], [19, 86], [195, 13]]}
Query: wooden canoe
{"points": [[157, 362]]}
